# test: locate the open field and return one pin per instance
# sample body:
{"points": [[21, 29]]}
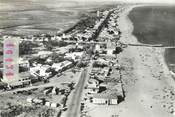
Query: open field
{"points": [[36, 17]]}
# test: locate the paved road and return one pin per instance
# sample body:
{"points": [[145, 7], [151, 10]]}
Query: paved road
{"points": [[29, 88], [74, 108]]}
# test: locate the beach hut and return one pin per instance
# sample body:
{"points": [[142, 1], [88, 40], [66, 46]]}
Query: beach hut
{"points": [[105, 98], [113, 102], [99, 101]]}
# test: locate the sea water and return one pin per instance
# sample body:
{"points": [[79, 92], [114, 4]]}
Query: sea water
{"points": [[156, 25]]}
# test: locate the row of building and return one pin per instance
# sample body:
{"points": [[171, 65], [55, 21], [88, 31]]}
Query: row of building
{"points": [[104, 86]]}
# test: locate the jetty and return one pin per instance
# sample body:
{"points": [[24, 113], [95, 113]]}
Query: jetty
{"points": [[151, 45]]}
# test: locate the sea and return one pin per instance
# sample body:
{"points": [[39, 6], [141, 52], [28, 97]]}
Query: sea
{"points": [[156, 25]]}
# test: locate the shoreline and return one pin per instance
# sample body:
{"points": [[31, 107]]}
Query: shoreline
{"points": [[162, 54], [146, 76], [163, 50]]}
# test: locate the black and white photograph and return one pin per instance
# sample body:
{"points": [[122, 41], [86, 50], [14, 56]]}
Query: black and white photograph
{"points": [[87, 58]]}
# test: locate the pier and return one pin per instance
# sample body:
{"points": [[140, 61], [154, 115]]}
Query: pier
{"points": [[150, 45]]}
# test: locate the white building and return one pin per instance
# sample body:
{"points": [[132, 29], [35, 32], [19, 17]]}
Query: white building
{"points": [[105, 99], [97, 47], [110, 52], [40, 70], [43, 54], [98, 13], [23, 63], [74, 55], [62, 65], [102, 61]]}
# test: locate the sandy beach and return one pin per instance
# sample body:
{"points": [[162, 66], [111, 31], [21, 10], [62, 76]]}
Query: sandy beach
{"points": [[148, 83]]}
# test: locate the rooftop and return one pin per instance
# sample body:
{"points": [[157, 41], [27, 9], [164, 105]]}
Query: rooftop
{"points": [[106, 95]]}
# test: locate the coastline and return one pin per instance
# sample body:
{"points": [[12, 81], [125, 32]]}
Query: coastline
{"points": [[160, 51], [149, 32], [146, 78]]}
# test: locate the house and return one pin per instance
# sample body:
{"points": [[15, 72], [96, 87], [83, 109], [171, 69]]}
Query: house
{"points": [[92, 86], [102, 61], [49, 60], [29, 100], [44, 54], [47, 91], [78, 48], [54, 105], [23, 65], [64, 89], [61, 66], [102, 87], [97, 100], [116, 89], [97, 25], [75, 55], [55, 91], [40, 71], [39, 39], [105, 71], [48, 104], [117, 66], [110, 79], [110, 52], [37, 101], [25, 78], [34, 70], [95, 70], [58, 67], [62, 100], [98, 13], [3, 85], [97, 47], [75, 48], [43, 71], [66, 36], [105, 99], [93, 83], [92, 90], [58, 38]]}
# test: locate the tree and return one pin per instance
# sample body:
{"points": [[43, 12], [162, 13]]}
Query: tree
{"points": [[117, 50], [82, 64], [48, 46], [25, 47], [57, 58]]}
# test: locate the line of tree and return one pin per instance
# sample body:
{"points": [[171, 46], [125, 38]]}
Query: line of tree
{"points": [[26, 47]]}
